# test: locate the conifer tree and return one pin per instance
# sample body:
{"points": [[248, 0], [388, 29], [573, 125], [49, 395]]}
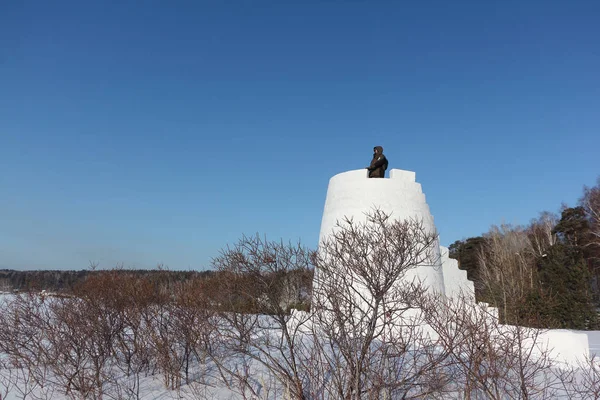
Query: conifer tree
{"points": [[564, 277]]}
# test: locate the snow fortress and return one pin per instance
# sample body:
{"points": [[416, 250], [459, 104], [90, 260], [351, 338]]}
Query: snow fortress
{"points": [[352, 194]]}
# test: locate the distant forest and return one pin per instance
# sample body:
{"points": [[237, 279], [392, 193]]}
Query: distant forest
{"points": [[545, 274], [66, 281]]}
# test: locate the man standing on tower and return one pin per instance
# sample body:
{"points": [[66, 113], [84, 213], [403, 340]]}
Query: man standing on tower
{"points": [[378, 164]]}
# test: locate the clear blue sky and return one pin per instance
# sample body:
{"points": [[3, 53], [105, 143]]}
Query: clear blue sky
{"points": [[159, 132]]}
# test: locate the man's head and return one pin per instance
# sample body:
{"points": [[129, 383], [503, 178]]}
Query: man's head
{"points": [[378, 150]]}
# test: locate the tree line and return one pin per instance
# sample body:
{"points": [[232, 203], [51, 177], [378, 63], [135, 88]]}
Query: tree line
{"points": [[66, 281], [545, 274]]}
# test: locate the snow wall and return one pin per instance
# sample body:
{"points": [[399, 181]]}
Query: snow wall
{"points": [[352, 194]]}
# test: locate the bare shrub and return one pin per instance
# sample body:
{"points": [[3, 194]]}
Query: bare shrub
{"points": [[132, 347], [256, 293], [364, 336], [190, 326], [8, 380], [368, 324], [23, 323], [586, 385], [87, 334], [491, 360]]}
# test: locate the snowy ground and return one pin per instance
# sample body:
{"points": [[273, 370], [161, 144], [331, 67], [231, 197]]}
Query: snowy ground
{"points": [[153, 387], [150, 388]]}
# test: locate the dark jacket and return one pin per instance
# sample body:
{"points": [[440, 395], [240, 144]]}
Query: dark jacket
{"points": [[378, 164]]}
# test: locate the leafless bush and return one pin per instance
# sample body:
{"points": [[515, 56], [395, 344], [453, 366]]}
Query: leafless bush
{"points": [[363, 338], [179, 332], [71, 355], [491, 360], [23, 322], [253, 324], [132, 347], [7, 379], [368, 324]]}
